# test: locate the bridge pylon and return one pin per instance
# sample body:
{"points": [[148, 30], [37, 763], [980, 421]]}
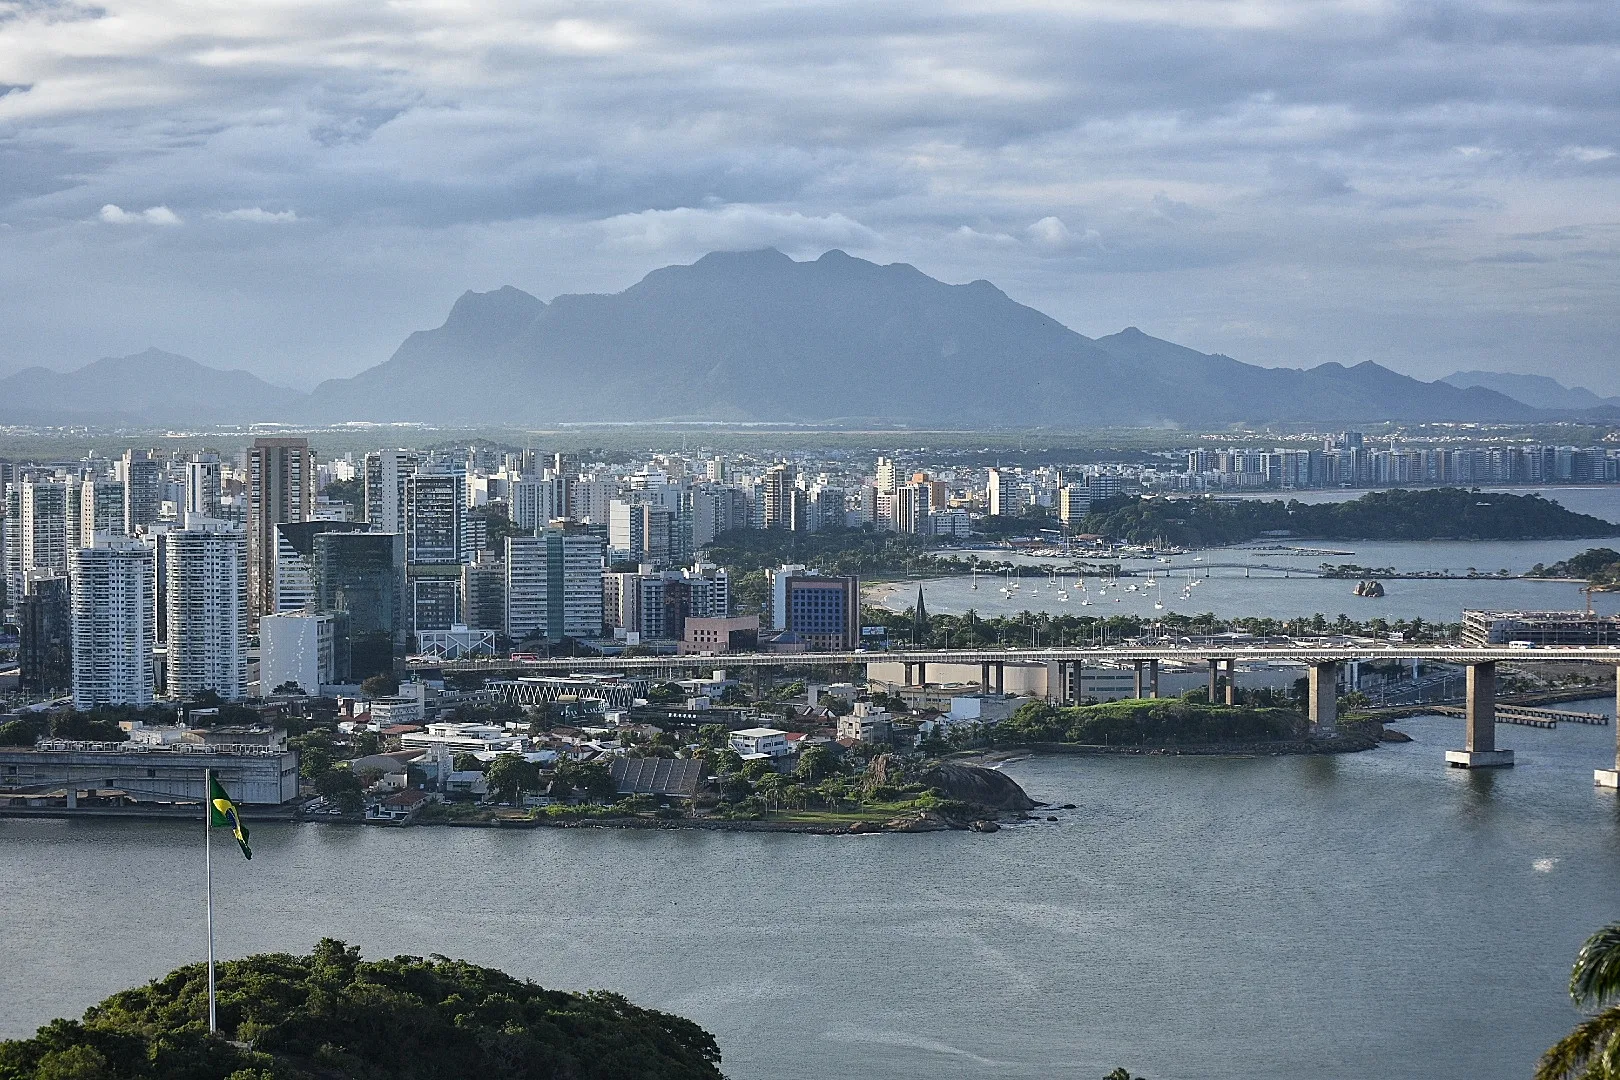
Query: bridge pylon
{"points": [[1479, 737]]}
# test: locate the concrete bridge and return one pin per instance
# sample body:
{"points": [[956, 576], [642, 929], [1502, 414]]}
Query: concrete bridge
{"points": [[1321, 663]]}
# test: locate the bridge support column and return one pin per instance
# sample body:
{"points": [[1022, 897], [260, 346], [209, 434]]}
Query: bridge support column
{"points": [[1153, 678], [1479, 740], [1064, 694], [1214, 680], [922, 674], [984, 679], [1610, 778], [1231, 682], [1137, 685], [909, 675], [1001, 679], [1322, 707]]}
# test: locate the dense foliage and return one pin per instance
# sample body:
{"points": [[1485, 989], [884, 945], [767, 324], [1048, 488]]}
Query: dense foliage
{"points": [[331, 1015], [1600, 566], [1159, 722], [1423, 514]]}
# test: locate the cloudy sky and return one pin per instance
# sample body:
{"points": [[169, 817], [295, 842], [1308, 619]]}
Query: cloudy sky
{"points": [[291, 187]]}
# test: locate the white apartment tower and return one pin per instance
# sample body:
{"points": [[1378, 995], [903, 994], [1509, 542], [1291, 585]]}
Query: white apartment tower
{"points": [[554, 583], [385, 473], [113, 626], [207, 612]]}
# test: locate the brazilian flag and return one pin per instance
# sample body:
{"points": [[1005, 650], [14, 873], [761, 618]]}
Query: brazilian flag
{"points": [[222, 814]]}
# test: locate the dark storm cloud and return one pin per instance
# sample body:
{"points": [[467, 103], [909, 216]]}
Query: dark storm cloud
{"points": [[1428, 185]]}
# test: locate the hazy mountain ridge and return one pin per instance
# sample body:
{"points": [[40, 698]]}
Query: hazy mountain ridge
{"points": [[1540, 391], [153, 387], [756, 336]]}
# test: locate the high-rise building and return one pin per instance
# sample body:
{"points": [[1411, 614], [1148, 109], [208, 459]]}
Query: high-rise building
{"points": [[280, 488], [588, 500], [784, 500], [532, 502], [887, 476], [203, 475], [554, 583], [295, 561], [207, 610], [1003, 495], [11, 541], [647, 532], [1073, 504], [483, 593], [435, 545], [101, 510], [142, 475], [385, 474], [111, 597], [45, 619], [361, 576], [43, 526]]}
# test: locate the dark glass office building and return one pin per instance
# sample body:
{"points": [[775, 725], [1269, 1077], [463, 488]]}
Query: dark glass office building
{"points": [[361, 577]]}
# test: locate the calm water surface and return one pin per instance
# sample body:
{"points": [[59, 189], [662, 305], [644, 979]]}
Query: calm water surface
{"points": [[1236, 583], [1367, 915]]}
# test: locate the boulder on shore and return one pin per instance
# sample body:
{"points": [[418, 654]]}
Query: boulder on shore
{"points": [[979, 786]]}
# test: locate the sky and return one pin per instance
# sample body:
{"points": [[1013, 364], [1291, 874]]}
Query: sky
{"points": [[291, 186]]}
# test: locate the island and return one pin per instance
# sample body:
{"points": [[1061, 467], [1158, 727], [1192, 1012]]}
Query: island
{"points": [[1399, 514], [331, 1015]]}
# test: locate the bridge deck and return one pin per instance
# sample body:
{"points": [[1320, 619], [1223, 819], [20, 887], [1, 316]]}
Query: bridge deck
{"points": [[1303, 654]]}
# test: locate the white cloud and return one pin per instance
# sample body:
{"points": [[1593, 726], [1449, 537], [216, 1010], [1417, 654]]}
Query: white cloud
{"points": [[1051, 234], [153, 215], [1586, 155], [730, 228], [259, 215]]}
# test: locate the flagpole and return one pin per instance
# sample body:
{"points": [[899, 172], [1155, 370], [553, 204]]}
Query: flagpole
{"points": [[208, 879]]}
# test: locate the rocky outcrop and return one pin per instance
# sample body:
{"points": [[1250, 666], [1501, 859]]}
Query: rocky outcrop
{"points": [[979, 786]]}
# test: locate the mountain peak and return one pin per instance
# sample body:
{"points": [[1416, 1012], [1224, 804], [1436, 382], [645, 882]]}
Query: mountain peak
{"points": [[507, 306]]}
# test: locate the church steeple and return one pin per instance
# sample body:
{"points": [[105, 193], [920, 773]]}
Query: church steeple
{"points": [[919, 620]]}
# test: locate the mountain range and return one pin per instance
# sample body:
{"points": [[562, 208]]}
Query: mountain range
{"points": [[1540, 391], [757, 336]]}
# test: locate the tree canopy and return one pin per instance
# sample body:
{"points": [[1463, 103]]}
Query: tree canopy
{"points": [[331, 1015], [1399, 514]]}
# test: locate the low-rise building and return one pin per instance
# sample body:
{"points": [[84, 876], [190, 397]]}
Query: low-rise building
{"points": [[761, 742], [169, 773]]}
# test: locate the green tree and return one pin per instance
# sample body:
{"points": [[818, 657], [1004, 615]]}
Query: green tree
{"points": [[467, 763], [593, 779], [1592, 1050], [342, 788], [509, 776], [17, 733], [380, 686], [815, 762]]}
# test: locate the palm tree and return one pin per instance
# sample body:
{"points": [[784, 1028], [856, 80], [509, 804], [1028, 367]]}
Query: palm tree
{"points": [[1592, 1050]]}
